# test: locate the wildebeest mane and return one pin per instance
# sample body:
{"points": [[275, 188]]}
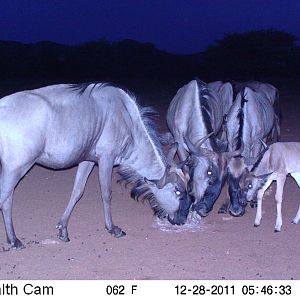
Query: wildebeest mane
{"points": [[240, 116], [261, 154], [204, 96], [82, 87], [147, 113], [140, 189]]}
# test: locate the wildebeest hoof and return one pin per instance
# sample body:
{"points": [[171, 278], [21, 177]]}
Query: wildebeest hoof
{"points": [[63, 237], [256, 225], [253, 204], [223, 210], [17, 245], [62, 233], [276, 230], [116, 232]]}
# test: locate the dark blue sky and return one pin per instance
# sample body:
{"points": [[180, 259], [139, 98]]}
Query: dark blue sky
{"points": [[184, 26]]}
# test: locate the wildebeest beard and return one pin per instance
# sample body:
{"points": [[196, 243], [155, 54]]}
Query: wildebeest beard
{"points": [[140, 190]]}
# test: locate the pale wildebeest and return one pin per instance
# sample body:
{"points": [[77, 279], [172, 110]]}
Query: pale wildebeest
{"points": [[271, 93], [195, 117], [229, 90], [276, 162], [250, 120], [61, 126]]}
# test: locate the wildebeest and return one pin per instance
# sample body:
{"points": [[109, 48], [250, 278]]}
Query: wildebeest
{"points": [[63, 125], [271, 93], [275, 163], [250, 120], [195, 117], [228, 91]]}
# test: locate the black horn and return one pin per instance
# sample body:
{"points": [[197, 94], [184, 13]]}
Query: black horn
{"points": [[236, 152], [266, 147], [168, 177], [197, 150]]}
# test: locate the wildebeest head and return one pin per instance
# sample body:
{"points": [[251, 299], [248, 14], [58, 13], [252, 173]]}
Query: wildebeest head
{"points": [[235, 171], [206, 176], [205, 182], [237, 175], [171, 191]]}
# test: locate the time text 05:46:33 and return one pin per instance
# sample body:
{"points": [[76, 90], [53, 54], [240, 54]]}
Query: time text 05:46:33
{"points": [[219, 289]]}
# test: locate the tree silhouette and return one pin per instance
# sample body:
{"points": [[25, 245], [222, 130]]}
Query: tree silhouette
{"points": [[255, 53]]}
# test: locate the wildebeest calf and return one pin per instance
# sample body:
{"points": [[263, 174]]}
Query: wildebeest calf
{"points": [[279, 160]]}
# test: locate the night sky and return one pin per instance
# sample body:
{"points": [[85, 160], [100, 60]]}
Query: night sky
{"points": [[184, 26]]}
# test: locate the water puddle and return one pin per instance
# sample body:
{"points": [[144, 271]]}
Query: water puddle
{"points": [[193, 224]]}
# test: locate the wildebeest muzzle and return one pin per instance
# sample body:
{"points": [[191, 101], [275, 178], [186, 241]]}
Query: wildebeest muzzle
{"points": [[180, 216]]}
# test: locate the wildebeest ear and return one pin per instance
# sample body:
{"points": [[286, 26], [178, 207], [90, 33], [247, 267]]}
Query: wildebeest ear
{"points": [[264, 176], [151, 181], [158, 183]]}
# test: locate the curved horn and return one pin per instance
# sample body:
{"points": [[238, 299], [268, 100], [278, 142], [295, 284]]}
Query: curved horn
{"points": [[197, 150], [191, 147], [201, 141], [160, 183], [264, 144], [165, 179], [236, 152]]}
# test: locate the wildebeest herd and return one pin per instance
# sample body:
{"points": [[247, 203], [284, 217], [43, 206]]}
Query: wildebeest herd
{"points": [[219, 131]]}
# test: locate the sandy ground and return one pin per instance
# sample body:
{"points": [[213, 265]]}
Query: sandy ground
{"points": [[220, 247]]}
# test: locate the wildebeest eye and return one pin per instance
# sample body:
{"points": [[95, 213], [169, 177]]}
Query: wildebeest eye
{"points": [[178, 191], [209, 172], [249, 186]]}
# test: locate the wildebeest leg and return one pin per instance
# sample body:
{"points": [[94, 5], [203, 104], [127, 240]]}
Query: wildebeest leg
{"points": [[297, 218], [12, 240], [83, 172], [8, 181], [182, 154], [105, 180], [278, 198], [296, 176], [224, 209], [225, 206], [260, 195]]}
